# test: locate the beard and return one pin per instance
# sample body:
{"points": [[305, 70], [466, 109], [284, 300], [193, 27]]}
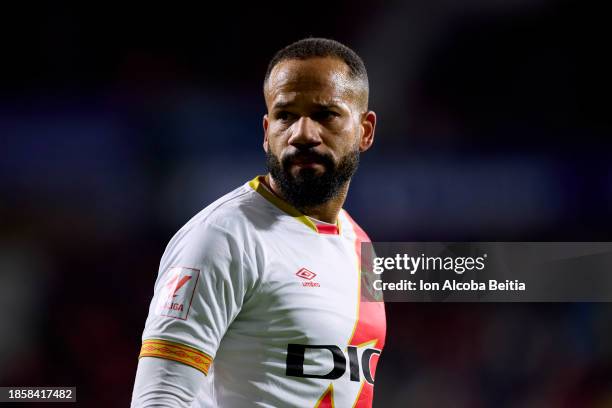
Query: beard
{"points": [[307, 188]]}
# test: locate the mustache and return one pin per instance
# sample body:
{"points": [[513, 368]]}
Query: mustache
{"points": [[308, 155]]}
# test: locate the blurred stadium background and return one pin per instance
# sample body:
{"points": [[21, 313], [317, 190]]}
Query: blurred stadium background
{"points": [[118, 124]]}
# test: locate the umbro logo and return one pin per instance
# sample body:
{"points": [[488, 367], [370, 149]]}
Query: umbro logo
{"points": [[308, 277], [306, 274]]}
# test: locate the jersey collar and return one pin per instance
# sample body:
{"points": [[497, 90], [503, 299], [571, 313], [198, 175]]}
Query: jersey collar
{"points": [[258, 185]]}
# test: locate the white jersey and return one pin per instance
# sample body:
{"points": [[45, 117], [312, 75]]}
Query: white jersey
{"points": [[268, 304]]}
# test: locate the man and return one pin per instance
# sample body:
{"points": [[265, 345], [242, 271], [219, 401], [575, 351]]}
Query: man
{"points": [[258, 300]]}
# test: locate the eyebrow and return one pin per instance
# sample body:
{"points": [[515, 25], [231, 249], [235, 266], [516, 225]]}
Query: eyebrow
{"points": [[284, 105]]}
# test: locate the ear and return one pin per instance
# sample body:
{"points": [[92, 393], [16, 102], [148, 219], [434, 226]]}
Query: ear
{"points": [[265, 129], [368, 126]]}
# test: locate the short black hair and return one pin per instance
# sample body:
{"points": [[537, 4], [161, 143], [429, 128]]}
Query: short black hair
{"points": [[322, 47]]}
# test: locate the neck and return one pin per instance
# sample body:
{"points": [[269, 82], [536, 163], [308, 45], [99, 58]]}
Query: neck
{"points": [[326, 212]]}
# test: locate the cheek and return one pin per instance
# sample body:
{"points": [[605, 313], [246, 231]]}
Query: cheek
{"points": [[278, 131], [347, 137], [276, 140]]}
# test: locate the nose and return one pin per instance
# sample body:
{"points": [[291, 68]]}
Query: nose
{"points": [[305, 133]]}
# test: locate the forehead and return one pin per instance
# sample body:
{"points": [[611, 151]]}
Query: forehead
{"points": [[319, 80]]}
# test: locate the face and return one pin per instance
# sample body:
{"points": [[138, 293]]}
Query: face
{"points": [[315, 129]]}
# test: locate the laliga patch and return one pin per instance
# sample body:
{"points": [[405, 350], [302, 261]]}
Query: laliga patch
{"points": [[177, 292]]}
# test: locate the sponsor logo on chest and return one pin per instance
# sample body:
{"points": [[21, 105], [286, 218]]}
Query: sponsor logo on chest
{"points": [[359, 360]]}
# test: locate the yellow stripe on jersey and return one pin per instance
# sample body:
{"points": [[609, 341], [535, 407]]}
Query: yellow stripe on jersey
{"points": [[177, 352], [286, 207], [358, 393], [327, 399], [257, 185]]}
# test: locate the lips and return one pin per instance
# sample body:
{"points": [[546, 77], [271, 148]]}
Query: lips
{"points": [[306, 160]]}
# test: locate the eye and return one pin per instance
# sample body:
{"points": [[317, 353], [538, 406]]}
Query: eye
{"points": [[325, 115], [284, 116]]}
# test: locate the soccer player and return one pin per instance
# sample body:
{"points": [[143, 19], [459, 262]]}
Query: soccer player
{"points": [[258, 300]]}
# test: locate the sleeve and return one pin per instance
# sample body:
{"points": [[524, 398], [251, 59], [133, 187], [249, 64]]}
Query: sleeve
{"points": [[165, 383], [204, 278]]}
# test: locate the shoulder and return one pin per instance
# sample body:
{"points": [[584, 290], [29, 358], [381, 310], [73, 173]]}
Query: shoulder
{"points": [[224, 212], [227, 222], [235, 212], [220, 234]]}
